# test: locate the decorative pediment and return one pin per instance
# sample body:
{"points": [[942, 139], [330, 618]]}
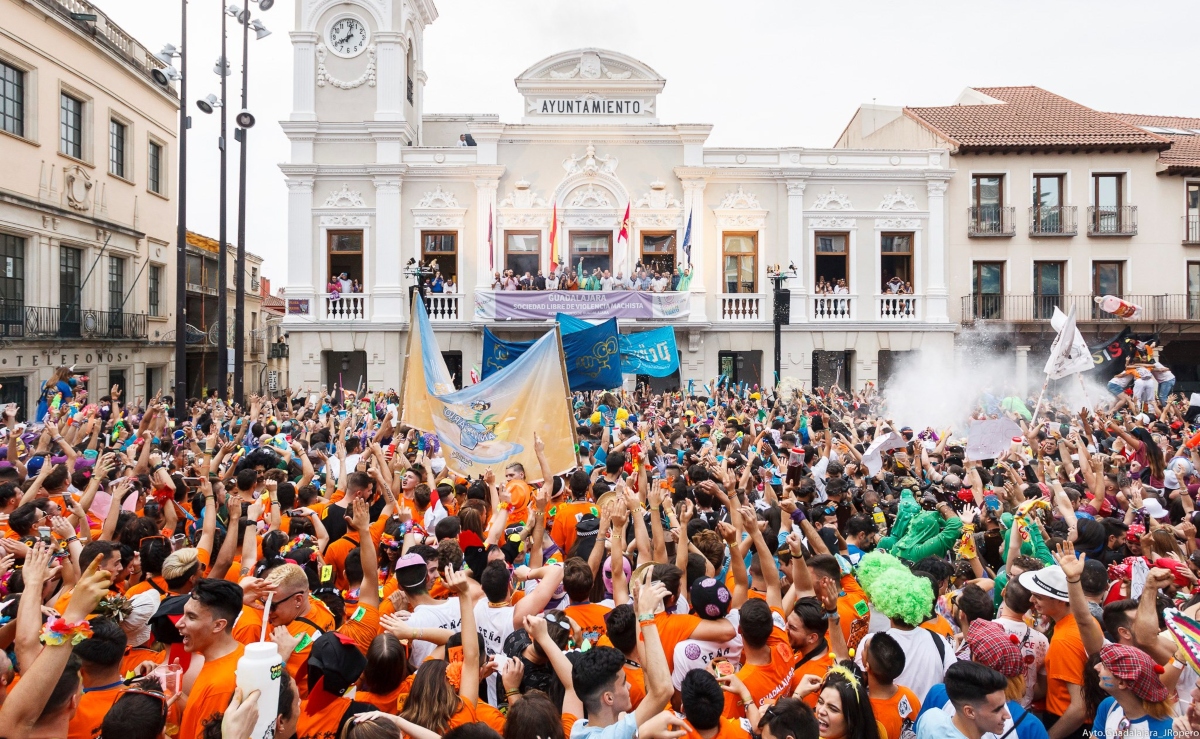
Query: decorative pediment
{"points": [[590, 84], [898, 201], [590, 164], [345, 221], [523, 196], [589, 65], [838, 223], [742, 220], [740, 199], [439, 217], [590, 196], [898, 224], [77, 185], [658, 220], [658, 197], [523, 220], [438, 198], [833, 200], [344, 198]]}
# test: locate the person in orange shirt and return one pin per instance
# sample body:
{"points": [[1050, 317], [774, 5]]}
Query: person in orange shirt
{"points": [[100, 655], [895, 706], [808, 630], [520, 493], [386, 668], [333, 667], [568, 514], [207, 628], [674, 628], [588, 616], [701, 699], [1066, 659], [853, 610]]}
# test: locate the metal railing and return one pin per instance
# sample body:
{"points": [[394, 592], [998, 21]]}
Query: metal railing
{"points": [[990, 220], [826, 308], [1052, 220], [1112, 221], [69, 322], [1191, 232], [744, 307], [278, 351], [1036, 308], [104, 31]]}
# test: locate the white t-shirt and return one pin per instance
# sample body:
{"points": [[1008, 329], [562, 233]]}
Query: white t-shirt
{"points": [[335, 468], [447, 615], [696, 654], [922, 668], [1033, 643], [495, 624]]}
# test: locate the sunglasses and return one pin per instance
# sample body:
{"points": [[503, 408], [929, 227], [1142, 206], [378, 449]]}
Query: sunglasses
{"points": [[276, 603], [158, 694]]}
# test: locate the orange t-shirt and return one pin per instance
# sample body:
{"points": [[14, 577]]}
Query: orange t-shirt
{"points": [[211, 693], [816, 666], [93, 705], [1065, 662], [145, 585], [249, 628], [482, 713], [672, 629], [590, 618], [896, 711], [939, 625], [566, 518], [520, 494], [766, 683], [362, 626], [637, 684], [134, 656], [318, 722], [388, 702], [727, 728], [855, 612]]}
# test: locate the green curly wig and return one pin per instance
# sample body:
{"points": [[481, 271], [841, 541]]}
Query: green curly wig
{"points": [[871, 566], [901, 595]]}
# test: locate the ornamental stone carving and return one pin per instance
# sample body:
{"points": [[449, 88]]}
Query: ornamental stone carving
{"points": [[589, 68], [523, 196], [740, 199], [325, 78], [523, 220], [438, 198], [658, 197], [590, 197], [898, 201], [936, 188], [600, 221], [77, 185], [658, 220], [345, 198], [831, 223], [346, 221], [589, 163], [439, 220], [897, 223], [753, 221], [833, 200]]}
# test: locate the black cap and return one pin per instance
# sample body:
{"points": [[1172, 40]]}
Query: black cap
{"points": [[710, 598], [335, 658]]}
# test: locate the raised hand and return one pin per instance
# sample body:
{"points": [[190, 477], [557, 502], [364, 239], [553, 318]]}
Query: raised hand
{"points": [[1072, 566]]}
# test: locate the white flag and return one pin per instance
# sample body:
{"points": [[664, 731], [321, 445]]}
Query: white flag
{"points": [[872, 458], [1069, 353]]}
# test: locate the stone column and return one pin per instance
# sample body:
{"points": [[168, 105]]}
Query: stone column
{"points": [[303, 252], [936, 295], [1022, 369], [304, 75], [390, 84], [488, 256], [388, 301], [693, 206], [795, 249]]}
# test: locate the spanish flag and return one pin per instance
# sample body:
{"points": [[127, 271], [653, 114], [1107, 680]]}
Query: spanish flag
{"points": [[554, 238], [624, 232]]}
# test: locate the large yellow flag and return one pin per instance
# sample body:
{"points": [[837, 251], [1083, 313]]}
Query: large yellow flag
{"points": [[492, 423]]}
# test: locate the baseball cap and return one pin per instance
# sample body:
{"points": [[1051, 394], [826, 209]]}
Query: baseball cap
{"points": [[710, 598], [336, 660], [1048, 581], [991, 645], [1154, 509], [1134, 667], [410, 571]]}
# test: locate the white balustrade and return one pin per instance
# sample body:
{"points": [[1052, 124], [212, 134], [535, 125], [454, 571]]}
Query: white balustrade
{"points": [[444, 307], [745, 307], [831, 308], [346, 307], [898, 308]]}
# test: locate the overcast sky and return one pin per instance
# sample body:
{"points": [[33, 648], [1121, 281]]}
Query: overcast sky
{"points": [[763, 72]]}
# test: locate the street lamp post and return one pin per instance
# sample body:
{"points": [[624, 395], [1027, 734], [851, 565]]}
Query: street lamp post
{"points": [[223, 255], [782, 309]]}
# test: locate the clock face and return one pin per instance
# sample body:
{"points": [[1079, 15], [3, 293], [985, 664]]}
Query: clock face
{"points": [[348, 37]]}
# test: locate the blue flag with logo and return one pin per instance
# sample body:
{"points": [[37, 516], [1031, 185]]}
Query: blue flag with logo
{"points": [[650, 352], [592, 356]]}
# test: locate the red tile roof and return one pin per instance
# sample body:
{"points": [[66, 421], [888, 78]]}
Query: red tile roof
{"points": [[1184, 155], [1030, 118]]}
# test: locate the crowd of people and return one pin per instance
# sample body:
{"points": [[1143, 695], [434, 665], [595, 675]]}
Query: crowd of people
{"points": [[644, 278], [746, 563]]}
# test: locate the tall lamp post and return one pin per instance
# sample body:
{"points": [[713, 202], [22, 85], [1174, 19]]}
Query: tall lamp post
{"points": [[245, 122], [782, 308], [164, 77]]}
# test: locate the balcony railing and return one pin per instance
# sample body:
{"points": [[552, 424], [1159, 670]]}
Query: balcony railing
{"points": [[1191, 233], [898, 308], [345, 307], [990, 220], [278, 351], [69, 322], [744, 307], [444, 307], [1052, 220], [1037, 308], [1112, 221], [831, 308]]}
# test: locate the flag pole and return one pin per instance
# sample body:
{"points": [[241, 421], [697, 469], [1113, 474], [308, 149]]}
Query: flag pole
{"points": [[562, 361], [1037, 408]]}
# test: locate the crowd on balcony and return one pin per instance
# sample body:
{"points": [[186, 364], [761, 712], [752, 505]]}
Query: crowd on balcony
{"points": [[897, 286], [643, 278], [831, 287], [342, 284]]}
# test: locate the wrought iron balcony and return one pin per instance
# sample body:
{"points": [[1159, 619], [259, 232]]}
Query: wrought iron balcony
{"points": [[278, 351], [69, 322], [1112, 221], [1038, 308], [1191, 234], [1052, 220], [990, 220]]}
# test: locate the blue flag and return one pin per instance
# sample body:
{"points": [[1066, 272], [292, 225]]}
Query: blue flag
{"points": [[650, 353], [687, 240], [592, 356]]}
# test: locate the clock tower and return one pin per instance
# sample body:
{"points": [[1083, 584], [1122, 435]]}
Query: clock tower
{"points": [[357, 103]]}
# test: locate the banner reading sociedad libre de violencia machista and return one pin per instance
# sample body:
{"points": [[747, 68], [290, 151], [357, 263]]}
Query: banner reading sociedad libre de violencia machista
{"points": [[534, 305]]}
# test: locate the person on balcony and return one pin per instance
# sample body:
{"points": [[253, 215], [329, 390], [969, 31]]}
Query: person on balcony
{"points": [[822, 287], [569, 281], [908, 288], [552, 281], [620, 283], [894, 286], [334, 288], [448, 286], [539, 281], [509, 283], [841, 288], [642, 280], [355, 286], [438, 283], [659, 283], [685, 279]]}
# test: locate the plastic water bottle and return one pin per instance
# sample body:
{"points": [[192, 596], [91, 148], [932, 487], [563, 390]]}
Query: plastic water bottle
{"points": [[1120, 308], [260, 668]]}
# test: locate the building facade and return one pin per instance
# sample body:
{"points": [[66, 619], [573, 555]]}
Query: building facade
{"points": [[203, 335], [87, 216], [377, 186], [1052, 204]]}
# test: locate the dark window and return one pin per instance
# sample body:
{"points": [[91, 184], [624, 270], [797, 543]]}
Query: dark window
{"points": [[12, 99], [523, 252], [12, 270], [1047, 288], [831, 262], [594, 250], [439, 251], [346, 255], [1107, 278], [70, 129], [154, 279], [987, 284], [658, 252], [740, 253], [116, 148], [70, 280], [155, 158], [116, 283], [896, 261]]}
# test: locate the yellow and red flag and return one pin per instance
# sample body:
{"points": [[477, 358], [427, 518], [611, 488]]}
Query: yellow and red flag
{"points": [[624, 232]]}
